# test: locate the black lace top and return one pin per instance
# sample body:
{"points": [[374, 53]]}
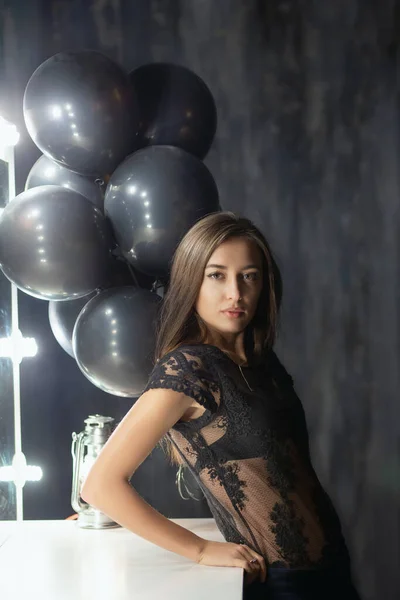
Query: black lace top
{"points": [[249, 452]]}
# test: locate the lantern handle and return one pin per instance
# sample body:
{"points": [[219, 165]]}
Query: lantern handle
{"points": [[77, 452]]}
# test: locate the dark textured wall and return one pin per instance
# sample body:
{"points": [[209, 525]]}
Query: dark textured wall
{"points": [[308, 147]]}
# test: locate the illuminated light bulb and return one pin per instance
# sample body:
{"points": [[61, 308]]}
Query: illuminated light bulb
{"points": [[17, 347], [20, 472]]}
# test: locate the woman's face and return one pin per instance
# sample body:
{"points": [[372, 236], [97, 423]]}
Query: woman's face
{"points": [[232, 280]]}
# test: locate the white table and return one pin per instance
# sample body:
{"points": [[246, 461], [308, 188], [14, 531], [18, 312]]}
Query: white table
{"points": [[57, 560]]}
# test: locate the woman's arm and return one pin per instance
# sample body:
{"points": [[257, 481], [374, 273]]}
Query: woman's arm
{"points": [[107, 485]]}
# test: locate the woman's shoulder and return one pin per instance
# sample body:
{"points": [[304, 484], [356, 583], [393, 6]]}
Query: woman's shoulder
{"points": [[187, 363], [191, 358], [277, 369], [201, 352], [186, 360]]}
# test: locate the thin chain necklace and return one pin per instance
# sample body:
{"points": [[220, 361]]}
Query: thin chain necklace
{"points": [[241, 371], [240, 368]]}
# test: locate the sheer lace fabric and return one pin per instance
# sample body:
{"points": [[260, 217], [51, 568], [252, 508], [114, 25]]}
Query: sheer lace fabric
{"points": [[249, 453]]}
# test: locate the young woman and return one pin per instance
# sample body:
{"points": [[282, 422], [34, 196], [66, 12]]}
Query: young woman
{"points": [[225, 406]]}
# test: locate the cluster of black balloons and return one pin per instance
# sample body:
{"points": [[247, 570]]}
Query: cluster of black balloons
{"points": [[120, 181]]}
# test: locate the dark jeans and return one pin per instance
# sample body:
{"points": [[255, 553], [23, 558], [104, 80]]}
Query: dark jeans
{"points": [[294, 584]]}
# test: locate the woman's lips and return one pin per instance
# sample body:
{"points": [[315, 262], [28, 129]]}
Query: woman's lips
{"points": [[233, 314]]}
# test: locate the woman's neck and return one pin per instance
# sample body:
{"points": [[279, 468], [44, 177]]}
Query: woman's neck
{"points": [[232, 346]]}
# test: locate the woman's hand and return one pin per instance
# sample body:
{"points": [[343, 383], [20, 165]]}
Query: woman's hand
{"points": [[226, 554]]}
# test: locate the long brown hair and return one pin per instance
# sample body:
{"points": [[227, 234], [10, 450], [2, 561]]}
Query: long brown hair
{"points": [[180, 324]]}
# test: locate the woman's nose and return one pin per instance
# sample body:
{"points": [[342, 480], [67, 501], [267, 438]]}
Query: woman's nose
{"points": [[233, 291]]}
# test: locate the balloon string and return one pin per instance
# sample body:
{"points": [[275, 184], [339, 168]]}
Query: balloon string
{"points": [[133, 275]]}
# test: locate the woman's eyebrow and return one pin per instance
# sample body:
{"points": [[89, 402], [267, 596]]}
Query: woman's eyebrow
{"points": [[223, 267]]}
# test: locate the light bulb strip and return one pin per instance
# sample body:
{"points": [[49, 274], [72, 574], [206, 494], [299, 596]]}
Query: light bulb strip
{"points": [[15, 363]]}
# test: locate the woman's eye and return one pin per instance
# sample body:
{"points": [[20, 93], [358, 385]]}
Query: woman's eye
{"points": [[251, 276], [246, 276]]}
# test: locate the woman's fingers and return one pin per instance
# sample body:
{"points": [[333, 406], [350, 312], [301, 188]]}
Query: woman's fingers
{"points": [[256, 563]]}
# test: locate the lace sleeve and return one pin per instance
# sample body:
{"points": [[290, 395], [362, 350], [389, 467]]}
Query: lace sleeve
{"points": [[183, 371]]}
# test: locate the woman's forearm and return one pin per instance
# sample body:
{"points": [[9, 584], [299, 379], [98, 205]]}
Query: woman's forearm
{"points": [[125, 506]]}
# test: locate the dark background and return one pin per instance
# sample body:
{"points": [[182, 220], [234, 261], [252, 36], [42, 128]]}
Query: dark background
{"points": [[307, 147]]}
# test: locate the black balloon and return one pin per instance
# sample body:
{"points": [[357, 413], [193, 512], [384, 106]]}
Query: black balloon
{"points": [[54, 244], [80, 110], [114, 339], [63, 315], [152, 199], [123, 273], [47, 172], [62, 318], [176, 108]]}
